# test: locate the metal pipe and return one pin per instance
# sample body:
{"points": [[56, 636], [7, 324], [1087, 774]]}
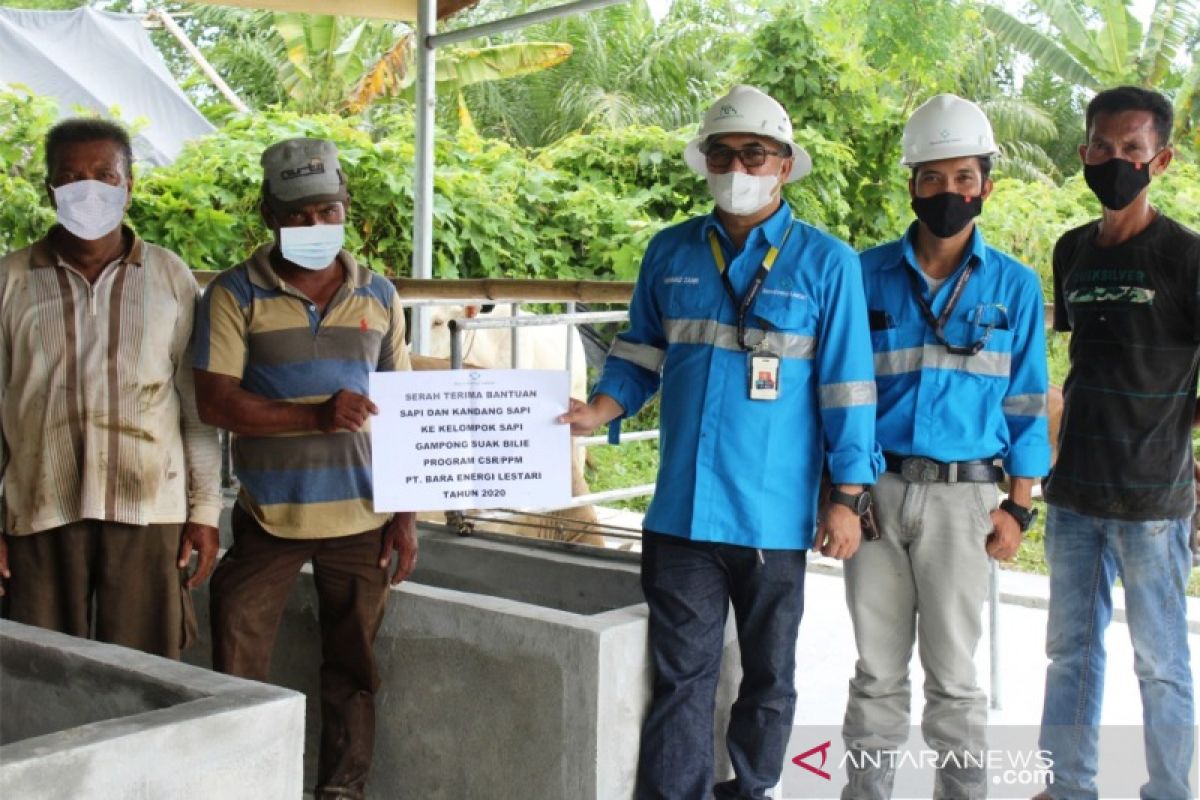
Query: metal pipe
{"points": [[635, 436], [519, 21], [209, 72], [514, 336], [492, 290], [426, 105], [540, 320], [570, 331], [456, 354], [599, 498]]}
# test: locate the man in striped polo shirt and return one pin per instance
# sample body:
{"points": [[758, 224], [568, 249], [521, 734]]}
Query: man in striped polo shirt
{"points": [[284, 344], [108, 479]]}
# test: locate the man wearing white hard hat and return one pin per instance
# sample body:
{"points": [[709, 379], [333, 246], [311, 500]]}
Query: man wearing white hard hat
{"points": [[752, 324], [960, 374]]}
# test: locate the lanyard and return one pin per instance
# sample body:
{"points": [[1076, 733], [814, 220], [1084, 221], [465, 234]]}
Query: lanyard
{"points": [[756, 283], [938, 324]]}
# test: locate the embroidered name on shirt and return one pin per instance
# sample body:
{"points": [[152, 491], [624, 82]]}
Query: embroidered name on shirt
{"points": [[685, 280], [786, 293]]}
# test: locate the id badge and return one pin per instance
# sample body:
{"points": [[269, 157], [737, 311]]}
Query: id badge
{"points": [[764, 375]]}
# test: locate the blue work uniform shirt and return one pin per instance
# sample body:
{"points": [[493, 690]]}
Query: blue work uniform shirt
{"points": [[955, 407], [732, 469]]}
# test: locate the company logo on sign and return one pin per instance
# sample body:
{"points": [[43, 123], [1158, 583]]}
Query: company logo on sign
{"points": [[818, 770]]}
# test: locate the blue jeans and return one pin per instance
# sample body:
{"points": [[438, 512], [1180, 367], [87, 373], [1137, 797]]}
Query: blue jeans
{"points": [[689, 586], [1152, 559]]}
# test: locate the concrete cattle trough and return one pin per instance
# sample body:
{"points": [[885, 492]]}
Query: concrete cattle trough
{"points": [[510, 671], [80, 719]]}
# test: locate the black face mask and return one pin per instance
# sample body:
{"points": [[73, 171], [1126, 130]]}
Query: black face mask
{"points": [[947, 213], [1117, 182]]}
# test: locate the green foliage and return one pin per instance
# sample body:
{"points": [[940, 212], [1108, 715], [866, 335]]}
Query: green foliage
{"points": [[1094, 44], [850, 74], [24, 120], [631, 464], [1025, 219], [624, 70]]}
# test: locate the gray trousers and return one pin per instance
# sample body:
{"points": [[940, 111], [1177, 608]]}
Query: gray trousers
{"points": [[925, 580]]}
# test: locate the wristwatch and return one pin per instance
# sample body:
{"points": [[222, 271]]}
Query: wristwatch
{"points": [[1024, 516], [858, 503]]}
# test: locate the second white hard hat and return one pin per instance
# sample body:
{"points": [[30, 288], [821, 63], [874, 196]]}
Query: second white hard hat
{"points": [[747, 110], [947, 126]]}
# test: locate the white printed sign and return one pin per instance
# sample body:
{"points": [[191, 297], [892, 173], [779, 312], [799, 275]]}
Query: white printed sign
{"points": [[459, 439]]}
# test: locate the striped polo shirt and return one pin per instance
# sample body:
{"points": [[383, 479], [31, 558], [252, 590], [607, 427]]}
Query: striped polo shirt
{"points": [[254, 327], [97, 409]]}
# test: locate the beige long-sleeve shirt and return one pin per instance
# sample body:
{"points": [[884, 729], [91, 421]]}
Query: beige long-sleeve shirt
{"points": [[97, 410]]}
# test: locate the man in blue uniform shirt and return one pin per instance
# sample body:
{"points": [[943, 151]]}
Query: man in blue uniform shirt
{"points": [[753, 325], [960, 371]]}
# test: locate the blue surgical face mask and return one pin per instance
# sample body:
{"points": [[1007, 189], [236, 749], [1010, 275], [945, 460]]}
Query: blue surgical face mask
{"points": [[313, 246]]}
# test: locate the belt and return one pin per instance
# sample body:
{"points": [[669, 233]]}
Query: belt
{"points": [[918, 469]]}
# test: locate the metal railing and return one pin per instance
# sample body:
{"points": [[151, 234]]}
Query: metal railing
{"points": [[571, 318]]}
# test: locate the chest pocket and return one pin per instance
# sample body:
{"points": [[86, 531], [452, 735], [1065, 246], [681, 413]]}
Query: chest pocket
{"points": [[981, 322], [690, 296], [790, 312]]}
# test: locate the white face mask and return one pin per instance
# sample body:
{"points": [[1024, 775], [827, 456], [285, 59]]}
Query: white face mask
{"points": [[313, 246], [742, 194], [90, 209]]}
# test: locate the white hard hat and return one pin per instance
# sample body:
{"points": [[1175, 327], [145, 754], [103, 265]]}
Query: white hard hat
{"points": [[947, 126], [747, 110]]}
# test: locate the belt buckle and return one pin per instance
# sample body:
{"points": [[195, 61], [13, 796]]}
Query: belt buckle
{"points": [[919, 469]]}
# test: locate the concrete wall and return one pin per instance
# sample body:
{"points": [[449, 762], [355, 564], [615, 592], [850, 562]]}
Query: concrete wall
{"points": [[510, 672], [80, 719]]}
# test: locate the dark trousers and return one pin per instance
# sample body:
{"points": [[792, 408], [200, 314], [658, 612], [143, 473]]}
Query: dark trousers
{"points": [[689, 587], [249, 590], [123, 578]]}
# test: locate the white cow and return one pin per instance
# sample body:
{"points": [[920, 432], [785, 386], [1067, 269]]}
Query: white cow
{"points": [[540, 346]]}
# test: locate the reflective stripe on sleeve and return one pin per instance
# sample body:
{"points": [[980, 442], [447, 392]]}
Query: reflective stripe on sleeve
{"points": [[851, 393], [643, 355], [1025, 405], [711, 332]]}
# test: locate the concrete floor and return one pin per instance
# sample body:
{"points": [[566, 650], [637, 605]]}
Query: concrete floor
{"points": [[825, 656]]}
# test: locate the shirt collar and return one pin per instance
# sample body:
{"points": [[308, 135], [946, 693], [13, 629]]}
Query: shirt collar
{"points": [[43, 253], [263, 276], [976, 249], [773, 228]]}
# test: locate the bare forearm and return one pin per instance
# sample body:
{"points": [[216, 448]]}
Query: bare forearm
{"points": [[247, 414], [1020, 491], [607, 409]]}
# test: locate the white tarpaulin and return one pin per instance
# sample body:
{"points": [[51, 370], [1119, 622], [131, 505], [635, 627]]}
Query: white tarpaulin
{"points": [[99, 59]]}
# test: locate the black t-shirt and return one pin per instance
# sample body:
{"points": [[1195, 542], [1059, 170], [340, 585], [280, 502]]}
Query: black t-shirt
{"points": [[1125, 448]]}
